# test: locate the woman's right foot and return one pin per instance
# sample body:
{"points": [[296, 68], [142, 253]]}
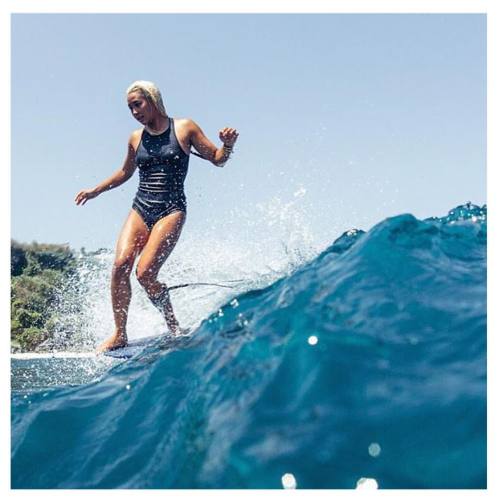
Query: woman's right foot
{"points": [[116, 341], [180, 332]]}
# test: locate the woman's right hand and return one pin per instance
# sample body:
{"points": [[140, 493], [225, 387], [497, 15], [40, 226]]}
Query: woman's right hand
{"points": [[84, 195]]}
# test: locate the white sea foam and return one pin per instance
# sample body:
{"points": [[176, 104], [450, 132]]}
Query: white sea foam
{"points": [[251, 251]]}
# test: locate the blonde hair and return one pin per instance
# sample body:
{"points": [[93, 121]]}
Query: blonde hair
{"points": [[151, 92]]}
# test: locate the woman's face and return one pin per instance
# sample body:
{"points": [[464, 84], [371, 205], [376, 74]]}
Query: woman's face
{"points": [[140, 107]]}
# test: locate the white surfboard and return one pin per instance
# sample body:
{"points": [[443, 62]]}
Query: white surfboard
{"points": [[52, 355], [135, 347]]}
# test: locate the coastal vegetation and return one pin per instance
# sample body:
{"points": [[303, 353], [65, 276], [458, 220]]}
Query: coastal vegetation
{"points": [[38, 273]]}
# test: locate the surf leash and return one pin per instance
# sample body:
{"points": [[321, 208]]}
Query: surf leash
{"points": [[205, 284]]}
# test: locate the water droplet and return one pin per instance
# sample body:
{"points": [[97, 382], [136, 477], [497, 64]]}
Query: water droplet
{"points": [[374, 449], [312, 340], [127, 387], [288, 481], [366, 483], [300, 192]]}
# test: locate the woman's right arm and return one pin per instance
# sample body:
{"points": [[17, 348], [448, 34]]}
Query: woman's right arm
{"points": [[117, 179]]}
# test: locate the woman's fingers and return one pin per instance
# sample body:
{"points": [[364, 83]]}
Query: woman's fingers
{"points": [[228, 134], [81, 197], [227, 130]]}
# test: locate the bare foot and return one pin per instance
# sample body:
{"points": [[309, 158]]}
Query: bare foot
{"points": [[114, 342], [180, 332]]}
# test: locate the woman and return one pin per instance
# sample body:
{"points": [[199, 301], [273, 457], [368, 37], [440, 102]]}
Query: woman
{"points": [[161, 151]]}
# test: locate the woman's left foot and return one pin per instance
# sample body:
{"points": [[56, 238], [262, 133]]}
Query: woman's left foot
{"points": [[113, 342]]}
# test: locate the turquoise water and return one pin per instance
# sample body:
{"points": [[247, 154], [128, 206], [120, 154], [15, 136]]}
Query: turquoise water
{"points": [[368, 361]]}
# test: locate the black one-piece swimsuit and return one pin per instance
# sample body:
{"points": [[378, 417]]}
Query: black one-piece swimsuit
{"points": [[163, 167]]}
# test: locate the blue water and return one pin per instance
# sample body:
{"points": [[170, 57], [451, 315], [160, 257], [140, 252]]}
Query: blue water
{"points": [[369, 361]]}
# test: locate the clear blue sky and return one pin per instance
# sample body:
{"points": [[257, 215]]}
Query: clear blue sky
{"points": [[343, 119]]}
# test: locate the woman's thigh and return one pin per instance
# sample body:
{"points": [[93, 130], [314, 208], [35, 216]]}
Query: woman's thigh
{"points": [[162, 240], [133, 236]]}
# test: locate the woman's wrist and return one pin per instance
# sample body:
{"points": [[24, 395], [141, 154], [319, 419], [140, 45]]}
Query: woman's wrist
{"points": [[226, 154]]}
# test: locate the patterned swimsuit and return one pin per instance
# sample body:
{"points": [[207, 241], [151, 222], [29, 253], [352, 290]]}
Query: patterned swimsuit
{"points": [[163, 167]]}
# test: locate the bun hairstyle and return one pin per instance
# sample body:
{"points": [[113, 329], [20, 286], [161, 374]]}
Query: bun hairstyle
{"points": [[151, 92]]}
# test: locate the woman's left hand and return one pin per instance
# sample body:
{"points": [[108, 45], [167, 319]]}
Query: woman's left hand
{"points": [[228, 136]]}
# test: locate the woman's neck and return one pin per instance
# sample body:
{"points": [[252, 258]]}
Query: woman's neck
{"points": [[157, 125]]}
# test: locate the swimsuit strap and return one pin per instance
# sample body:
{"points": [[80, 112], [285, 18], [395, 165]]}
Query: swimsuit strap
{"points": [[171, 134]]}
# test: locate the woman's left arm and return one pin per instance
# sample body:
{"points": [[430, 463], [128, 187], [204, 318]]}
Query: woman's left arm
{"points": [[208, 150]]}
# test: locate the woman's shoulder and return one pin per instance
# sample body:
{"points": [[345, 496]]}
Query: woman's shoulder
{"points": [[184, 125], [184, 122], [137, 132], [135, 135], [187, 124], [135, 138]]}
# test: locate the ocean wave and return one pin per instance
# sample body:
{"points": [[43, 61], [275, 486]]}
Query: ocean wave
{"points": [[367, 361]]}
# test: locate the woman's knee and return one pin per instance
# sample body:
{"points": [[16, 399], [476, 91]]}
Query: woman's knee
{"points": [[122, 266], [145, 276]]}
